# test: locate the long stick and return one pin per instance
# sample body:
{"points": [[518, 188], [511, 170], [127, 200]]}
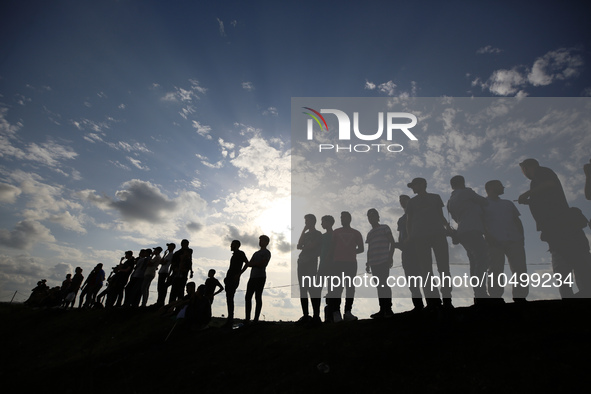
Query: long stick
{"points": [[168, 336]]}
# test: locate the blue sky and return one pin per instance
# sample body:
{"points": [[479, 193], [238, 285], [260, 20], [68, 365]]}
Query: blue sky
{"points": [[129, 124]]}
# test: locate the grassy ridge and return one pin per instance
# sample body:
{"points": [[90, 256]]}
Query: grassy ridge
{"points": [[540, 346]]}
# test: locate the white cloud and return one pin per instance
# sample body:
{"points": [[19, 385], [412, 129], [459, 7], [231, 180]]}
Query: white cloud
{"points": [[170, 96], [202, 130], [143, 210], [127, 147], [226, 145], [93, 126], [138, 164], [270, 166], [50, 153], [505, 82], [388, 88], [8, 193], [221, 27], [21, 272], [557, 65], [272, 111], [118, 164], [248, 86], [25, 234], [560, 64], [43, 200], [186, 95], [137, 201], [488, 49], [8, 133], [219, 164], [69, 221]]}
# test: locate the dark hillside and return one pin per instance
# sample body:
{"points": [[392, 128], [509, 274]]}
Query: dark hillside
{"points": [[537, 347]]}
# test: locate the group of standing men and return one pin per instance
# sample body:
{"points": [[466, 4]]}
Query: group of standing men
{"points": [[488, 228], [132, 276]]}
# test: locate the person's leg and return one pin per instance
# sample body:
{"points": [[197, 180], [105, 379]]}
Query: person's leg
{"points": [[515, 252], [441, 252], [381, 271], [250, 289], [424, 260], [306, 274], [231, 287], [477, 251], [578, 254], [496, 268], [259, 286], [412, 273], [145, 289], [349, 271], [162, 289]]}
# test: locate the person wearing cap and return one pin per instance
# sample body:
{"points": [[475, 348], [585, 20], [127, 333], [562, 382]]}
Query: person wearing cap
{"points": [[504, 235], [163, 273], [426, 233], [466, 208], [569, 247]]}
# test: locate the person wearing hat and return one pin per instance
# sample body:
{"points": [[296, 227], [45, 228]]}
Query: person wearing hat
{"points": [[426, 230], [504, 235], [163, 273]]}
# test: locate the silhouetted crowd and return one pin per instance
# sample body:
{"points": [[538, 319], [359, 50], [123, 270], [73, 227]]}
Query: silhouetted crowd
{"points": [[129, 281], [488, 228]]}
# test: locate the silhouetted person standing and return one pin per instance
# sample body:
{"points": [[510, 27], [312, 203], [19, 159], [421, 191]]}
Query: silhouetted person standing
{"points": [[119, 280], [310, 244], [163, 274], [347, 244], [75, 286], [409, 259], [326, 266], [426, 230], [504, 235], [466, 208], [133, 290], [149, 273], [258, 276], [238, 264], [567, 242], [380, 253], [180, 266]]}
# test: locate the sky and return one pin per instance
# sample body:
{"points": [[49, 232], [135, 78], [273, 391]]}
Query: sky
{"points": [[131, 124]]}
